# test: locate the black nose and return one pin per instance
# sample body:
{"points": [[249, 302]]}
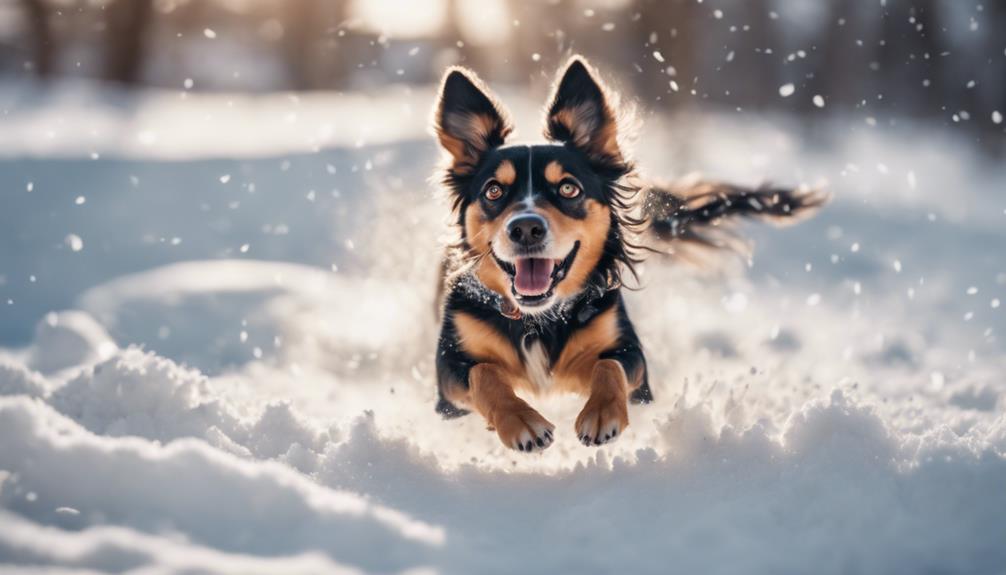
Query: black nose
{"points": [[527, 229]]}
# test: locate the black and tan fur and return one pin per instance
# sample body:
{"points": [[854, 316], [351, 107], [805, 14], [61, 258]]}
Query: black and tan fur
{"points": [[575, 203]]}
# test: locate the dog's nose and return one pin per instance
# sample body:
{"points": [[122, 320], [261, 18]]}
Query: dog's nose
{"points": [[527, 229]]}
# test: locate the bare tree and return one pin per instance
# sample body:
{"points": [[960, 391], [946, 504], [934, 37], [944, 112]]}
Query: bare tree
{"points": [[540, 32], [995, 52], [672, 23], [756, 60], [126, 39], [927, 49], [304, 26], [834, 78], [43, 48]]}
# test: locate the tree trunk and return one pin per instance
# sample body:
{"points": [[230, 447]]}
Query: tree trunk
{"points": [[833, 79], [673, 22], [930, 41], [300, 42], [126, 40], [42, 46], [758, 72]]}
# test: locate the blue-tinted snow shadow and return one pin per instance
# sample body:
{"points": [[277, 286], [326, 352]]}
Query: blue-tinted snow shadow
{"points": [[136, 215]]}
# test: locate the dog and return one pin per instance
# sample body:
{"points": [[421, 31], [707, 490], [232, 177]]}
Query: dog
{"points": [[531, 297]]}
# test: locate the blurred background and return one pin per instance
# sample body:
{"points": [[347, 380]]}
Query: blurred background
{"points": [[138, 134], [942, 60]]}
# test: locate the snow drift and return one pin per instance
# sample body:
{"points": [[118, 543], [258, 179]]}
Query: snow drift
{"points": [[229, 372]]}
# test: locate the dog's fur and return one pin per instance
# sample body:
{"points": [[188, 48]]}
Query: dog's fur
{"points": [[574, 208]]}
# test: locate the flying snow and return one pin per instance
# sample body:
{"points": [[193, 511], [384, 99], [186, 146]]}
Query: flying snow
{"points": [[263, 414]]}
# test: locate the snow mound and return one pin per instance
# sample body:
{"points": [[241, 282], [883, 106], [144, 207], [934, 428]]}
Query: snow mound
{"points": [[15, 379], [138, 393], [68, 339], [213, 498], [113, 549], [773, 497], [713, 498], [216, 315]]}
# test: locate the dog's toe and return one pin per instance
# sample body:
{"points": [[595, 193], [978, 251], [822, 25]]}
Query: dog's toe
{"points": [[525, 430], [601, 420]]}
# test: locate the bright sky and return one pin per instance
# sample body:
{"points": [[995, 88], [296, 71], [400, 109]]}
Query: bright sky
{"points": [[481, 21]]}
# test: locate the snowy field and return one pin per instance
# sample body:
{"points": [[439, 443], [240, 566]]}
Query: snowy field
{"points": [[217, 334]]}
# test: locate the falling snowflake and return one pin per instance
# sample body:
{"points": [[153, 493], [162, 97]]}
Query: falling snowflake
{"points": [[74, 242]]}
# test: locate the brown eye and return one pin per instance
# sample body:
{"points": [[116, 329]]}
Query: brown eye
{"points": [[494, 192], [569, 190]]}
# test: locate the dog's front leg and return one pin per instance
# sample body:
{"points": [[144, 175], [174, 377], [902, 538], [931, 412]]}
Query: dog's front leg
{"points": [[606, 413], [518, 425]]}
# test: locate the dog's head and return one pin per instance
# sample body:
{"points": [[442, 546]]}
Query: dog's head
{"points": [[543, 222]]}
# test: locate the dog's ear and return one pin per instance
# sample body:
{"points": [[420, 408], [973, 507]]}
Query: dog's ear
{"points": [[580, 114], [468, 121]]}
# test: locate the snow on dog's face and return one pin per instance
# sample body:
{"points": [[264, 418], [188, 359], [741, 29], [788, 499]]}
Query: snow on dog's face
{"points": [[540, 222]]}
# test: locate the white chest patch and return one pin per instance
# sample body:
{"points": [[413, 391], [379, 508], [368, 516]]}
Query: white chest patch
{"points": [[536, 360]]}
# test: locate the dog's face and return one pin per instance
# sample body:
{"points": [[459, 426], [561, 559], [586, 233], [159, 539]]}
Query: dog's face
{"points": [[538, 218], [540, 213]]}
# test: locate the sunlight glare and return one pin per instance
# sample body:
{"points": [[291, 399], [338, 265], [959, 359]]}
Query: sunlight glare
{"points": [[400, 19]]}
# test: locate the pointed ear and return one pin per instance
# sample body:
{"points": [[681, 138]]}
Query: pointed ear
{"points": [[580, 114], [468, 120]]}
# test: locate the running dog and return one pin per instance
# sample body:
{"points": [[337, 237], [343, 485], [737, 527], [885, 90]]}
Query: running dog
{"points": [[531, 290]]}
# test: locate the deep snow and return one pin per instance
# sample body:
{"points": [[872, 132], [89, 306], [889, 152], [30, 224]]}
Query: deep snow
{"points": [[233, 373]]}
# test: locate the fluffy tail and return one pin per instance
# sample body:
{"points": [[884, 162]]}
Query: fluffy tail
{"points": [[698, 213]]}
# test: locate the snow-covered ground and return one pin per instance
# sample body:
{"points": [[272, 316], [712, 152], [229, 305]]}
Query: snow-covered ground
{"points": [[217, 328]]}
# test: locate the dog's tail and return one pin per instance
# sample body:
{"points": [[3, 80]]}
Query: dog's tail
{"points": [[699, 213]]}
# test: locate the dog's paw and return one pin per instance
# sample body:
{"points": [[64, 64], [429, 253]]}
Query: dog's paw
{"points": [[524, 429], [602, 419]]}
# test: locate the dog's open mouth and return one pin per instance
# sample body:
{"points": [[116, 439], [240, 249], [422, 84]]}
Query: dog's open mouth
{"points": [[533, 280]]}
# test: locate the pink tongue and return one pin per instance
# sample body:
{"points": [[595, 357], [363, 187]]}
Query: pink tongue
{"points": [[534, 276]]}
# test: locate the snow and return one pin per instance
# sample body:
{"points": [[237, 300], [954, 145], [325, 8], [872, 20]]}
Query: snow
{"points": [[191, 406], [64, 340], [78, 120], [206, 494]]}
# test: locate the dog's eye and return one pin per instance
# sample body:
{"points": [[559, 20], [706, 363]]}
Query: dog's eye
{"points": [[569, 190], [494, 192]]}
